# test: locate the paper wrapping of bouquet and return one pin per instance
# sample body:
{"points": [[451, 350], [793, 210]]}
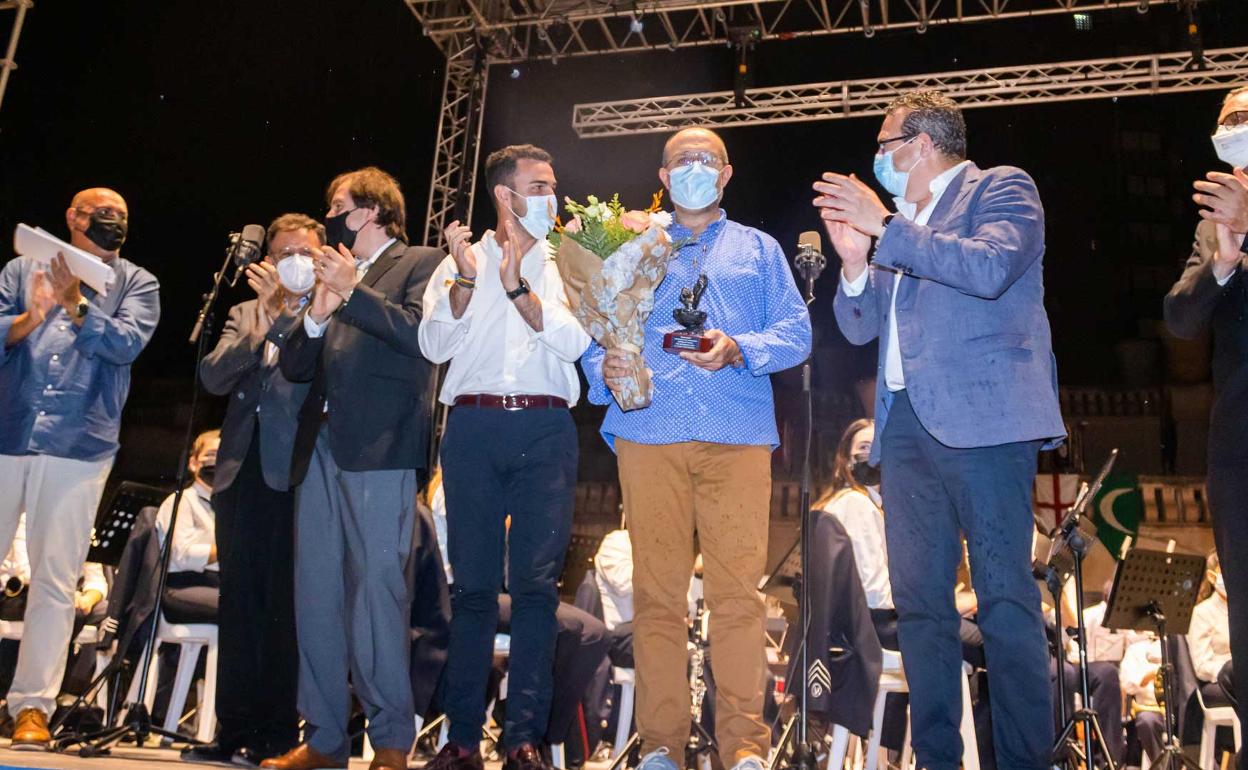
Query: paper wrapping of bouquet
{"points": [[612, 299]]}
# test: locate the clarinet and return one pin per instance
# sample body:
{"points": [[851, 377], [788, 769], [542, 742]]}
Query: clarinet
{"points": [[697, 684]]}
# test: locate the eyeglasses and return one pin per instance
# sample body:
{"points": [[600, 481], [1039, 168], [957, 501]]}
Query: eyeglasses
{"points": [[291, 251], [880, 144], [107, 211], [705, 157], [1235, 119]]}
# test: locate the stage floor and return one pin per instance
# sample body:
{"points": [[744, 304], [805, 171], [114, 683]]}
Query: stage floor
{"points": [[130, 758]]}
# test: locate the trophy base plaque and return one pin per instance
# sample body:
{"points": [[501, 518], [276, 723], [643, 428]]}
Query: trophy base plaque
{"points": [[680, 342]]}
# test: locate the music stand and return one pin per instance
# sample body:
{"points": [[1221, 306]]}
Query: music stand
{"points": [[1156, 591], [116, 518]]}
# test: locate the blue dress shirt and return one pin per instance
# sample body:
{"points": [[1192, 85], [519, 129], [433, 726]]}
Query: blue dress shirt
{"points": [[751, 297], [63, 387]]}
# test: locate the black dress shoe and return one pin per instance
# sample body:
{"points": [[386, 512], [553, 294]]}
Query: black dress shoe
{"points": [[456, 757], [249, 757], [526, 757], [209, 754]]}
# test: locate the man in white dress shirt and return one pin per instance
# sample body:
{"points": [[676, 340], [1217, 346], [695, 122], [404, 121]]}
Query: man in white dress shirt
{"points": [[496, 309]]}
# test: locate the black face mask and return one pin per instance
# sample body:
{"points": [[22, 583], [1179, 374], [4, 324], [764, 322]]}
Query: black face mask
{"points": [[108, 231], [207, 473], [865, 474], [336, 231]]}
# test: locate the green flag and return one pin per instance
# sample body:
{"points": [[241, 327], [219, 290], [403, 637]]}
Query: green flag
{"points": [[1118, 510]]}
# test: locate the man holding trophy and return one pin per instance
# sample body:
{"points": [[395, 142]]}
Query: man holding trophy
{"points": [[698, 457]]}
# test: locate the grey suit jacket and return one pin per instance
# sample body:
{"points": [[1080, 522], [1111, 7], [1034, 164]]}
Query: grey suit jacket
{"points": [[259, 395], [1197, 304], [976, 350]]}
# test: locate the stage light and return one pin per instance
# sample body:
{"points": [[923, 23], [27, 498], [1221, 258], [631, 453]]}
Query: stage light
{"points": [[922, 28], [1083, 22], [636, 25], [515, 73], [1143, 7]]}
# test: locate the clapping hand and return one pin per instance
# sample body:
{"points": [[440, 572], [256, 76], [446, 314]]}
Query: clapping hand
{"points": [[509, 267], [262, 278], [1229, 255], [458, 238], [324, 302], [336, 269], [66, 287], [42, 298], [847, 199], [1224, 198]]}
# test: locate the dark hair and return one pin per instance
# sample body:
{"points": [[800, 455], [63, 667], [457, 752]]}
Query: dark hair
{"points": [[500, 166], [371, 187], [933, 113], [843, 462], [289, 223]]}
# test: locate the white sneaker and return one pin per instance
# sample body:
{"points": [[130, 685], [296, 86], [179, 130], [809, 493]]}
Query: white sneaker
{"points": [[658, 760]]}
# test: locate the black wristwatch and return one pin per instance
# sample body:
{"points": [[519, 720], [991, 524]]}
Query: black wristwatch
{"points": [[519, 291], [80, 310]]}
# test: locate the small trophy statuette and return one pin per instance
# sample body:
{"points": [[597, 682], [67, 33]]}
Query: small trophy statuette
{"points": [[687, 315]]}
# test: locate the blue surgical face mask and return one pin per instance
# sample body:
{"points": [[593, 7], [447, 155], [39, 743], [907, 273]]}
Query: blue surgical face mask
{"points": [[695, 186], [889, 177], [539, 219]]}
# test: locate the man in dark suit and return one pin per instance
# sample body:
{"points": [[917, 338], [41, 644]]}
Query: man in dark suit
{"points": [[966, 395], [1213, 294], [254, 504], [360, 455]]}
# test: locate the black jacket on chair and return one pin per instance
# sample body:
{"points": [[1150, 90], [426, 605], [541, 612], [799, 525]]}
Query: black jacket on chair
{"points": [[369, 366], [842, 637]]}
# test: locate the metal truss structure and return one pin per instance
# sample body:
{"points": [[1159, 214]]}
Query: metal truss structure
{"points": [[994, 87], [529, 30], [9, 62], [474, 34]]}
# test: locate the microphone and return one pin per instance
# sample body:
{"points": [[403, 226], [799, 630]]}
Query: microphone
{"points": [[810, 260], [244, 249]]}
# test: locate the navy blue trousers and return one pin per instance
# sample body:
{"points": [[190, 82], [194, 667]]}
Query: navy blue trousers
{"points": [[934, 494], [496, 464]]}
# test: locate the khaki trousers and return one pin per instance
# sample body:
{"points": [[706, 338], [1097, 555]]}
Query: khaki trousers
{"points": [[722, 493]]}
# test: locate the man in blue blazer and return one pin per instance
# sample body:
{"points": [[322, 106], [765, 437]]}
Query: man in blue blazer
{"points": [[966, 395]]}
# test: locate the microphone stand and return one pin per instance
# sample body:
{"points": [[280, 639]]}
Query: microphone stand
{"points": [[138, 722], [794, 750]]}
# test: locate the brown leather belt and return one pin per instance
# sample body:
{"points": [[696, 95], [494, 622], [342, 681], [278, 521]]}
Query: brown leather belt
{"points": [[512, 403]]}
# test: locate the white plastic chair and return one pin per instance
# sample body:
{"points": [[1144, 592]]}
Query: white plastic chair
{"points": [[191, 638], [1215, 717], [626, 678], [893, 680]]}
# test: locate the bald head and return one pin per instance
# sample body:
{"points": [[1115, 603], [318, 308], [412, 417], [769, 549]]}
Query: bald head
{"points": [[78, 218], [97, 197], [692, 140]]}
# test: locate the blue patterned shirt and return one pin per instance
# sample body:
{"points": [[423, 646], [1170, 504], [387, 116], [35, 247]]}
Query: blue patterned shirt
{"points": [[752, 298], [62, 388]]}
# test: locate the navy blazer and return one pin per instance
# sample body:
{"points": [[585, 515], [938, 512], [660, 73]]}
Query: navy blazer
{"points": [[369, 366], [976, 349]]}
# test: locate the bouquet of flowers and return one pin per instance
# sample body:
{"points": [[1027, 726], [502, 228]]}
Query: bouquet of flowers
{"points": [[611, 259]]}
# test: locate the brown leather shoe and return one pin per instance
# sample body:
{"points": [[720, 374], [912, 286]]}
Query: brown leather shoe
{"points": [[389, 759], [303, 757], [30, 732]]}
